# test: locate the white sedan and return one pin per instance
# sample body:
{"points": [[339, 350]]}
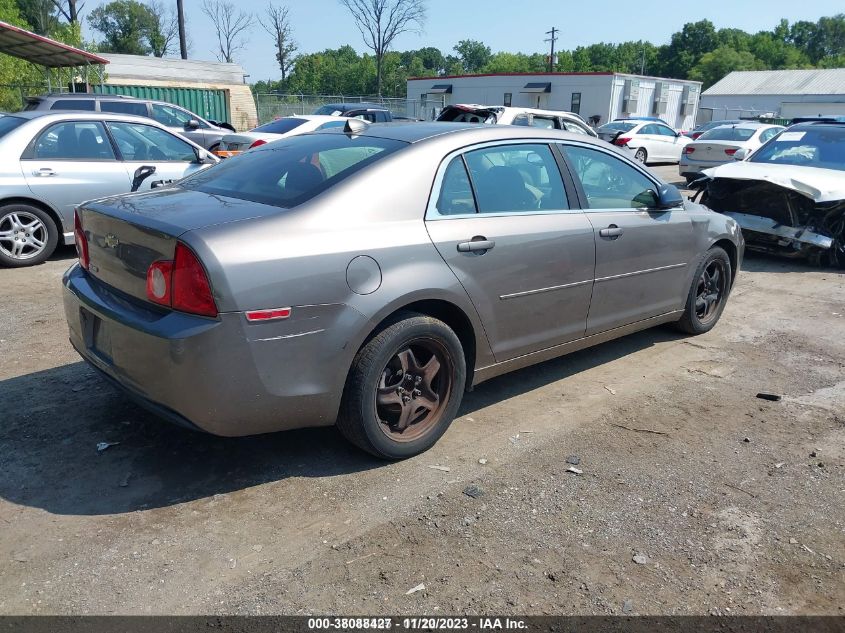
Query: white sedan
{"points": [[234, 144], [719, 145], [651, 141]]}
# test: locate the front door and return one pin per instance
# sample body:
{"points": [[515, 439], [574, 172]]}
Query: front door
{"points": [[179, 121], [143, 145], [642, 254], [71, 162], [500, 218]]}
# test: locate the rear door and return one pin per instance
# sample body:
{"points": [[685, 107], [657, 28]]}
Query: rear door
{"points": [[501, 218], [71, 162], [642, 254], [142, 145]]}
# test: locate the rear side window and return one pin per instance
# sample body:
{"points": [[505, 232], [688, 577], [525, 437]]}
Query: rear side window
{"points": [[74, 104], [280, 126], [294, 170], [74, 140], [9, 123], [124, 107]]}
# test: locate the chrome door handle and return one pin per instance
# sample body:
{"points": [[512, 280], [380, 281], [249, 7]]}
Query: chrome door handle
{"points": [[44, 172], [612, 232], [475, 245]]}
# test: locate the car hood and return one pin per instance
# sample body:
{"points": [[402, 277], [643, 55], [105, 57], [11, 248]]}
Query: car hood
{"points": [[175, 210], [820, 185]]}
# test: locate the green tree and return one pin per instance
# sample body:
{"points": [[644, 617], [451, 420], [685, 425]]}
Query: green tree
{"points": [[716, 64], [473, 55], [686, 48], [126, 26]]}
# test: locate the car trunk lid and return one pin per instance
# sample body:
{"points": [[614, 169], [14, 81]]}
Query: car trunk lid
{"points": [[128, 233], [715, 151]]}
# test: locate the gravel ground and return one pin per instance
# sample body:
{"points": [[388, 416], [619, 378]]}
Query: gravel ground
{"points": [[694, 496]]}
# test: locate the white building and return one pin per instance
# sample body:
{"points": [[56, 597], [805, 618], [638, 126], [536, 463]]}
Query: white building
{"points": [[780, 93], [598, 97]]}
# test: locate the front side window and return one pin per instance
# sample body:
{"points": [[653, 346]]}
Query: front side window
{"points": [[574, 128], [124, 107], [608, 182], [516, 178], [292, 170], [171, 116], [662, 130], [139, 142], [74, 140], [87, 105]]}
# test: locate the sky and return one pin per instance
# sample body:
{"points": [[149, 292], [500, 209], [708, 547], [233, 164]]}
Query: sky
{"points": [[503, 25]]}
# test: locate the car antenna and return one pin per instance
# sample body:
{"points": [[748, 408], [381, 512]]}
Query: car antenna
{"points": [[355, 126]]}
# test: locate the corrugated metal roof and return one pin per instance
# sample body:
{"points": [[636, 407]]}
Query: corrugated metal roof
{"points": [[166, 68], [781, 82]]}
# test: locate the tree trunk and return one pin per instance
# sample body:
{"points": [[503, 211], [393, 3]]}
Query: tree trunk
{"points": [[72, 13], [183, 44], [378, 73]]}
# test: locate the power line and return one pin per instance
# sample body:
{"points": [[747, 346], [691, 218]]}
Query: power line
{"points": [[552, 39]]}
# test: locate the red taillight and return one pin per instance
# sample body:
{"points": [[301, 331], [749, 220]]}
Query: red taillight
{"points": [[622, 141], [81, 241], [695, 135], [730, 152], [268, 315], [181, 283], [258, 143], [689, 149]]}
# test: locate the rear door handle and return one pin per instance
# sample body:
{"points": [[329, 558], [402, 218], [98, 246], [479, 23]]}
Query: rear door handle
{"points": [[476, 244], [44, 172], [612, 232]]}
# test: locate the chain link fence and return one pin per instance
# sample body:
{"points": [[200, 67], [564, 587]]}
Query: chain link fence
{"points": [[273, 106]]}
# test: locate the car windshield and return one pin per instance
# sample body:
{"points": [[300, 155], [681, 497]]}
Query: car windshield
{"points": [[728, 134], [821, 146], [280, 126], [9, 123], [618, 126], [293, 170]]}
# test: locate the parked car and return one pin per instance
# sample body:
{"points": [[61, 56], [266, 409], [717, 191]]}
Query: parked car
{"points": [[789, 195], [323, 279], [531, 117], [651, 142], [177, 119], [704, 127], [718, 146], [372, 112], [52, 161], [234, 144]]}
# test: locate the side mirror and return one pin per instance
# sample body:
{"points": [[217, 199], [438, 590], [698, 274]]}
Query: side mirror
{"points": [[741, 154], [193, 124], [668, 197]]}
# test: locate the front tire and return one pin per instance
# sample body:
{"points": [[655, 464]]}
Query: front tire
{"points": [[404, 388], [28, 235], [708, 293]]}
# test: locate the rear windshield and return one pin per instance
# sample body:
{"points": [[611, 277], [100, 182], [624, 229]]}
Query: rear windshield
{"points": [[728, 134], [292, 171], [328, 109], [280, 126], [9, 123], [822, 146], [618, 126]]}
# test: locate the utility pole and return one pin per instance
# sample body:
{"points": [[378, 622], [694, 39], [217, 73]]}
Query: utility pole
{"points": [[552, 39], [180, 17], [642, 66]]}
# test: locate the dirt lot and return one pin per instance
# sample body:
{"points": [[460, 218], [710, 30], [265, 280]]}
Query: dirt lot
{"points": [[695, 496]]}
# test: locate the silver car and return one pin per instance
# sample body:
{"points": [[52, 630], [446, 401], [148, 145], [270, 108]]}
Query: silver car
{"points": [[367, 276], [53, 161]]}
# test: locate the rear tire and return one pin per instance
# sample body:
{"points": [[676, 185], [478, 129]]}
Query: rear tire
{"points": [[708, 293], [28, 235], [404, 388], [641, 155]]}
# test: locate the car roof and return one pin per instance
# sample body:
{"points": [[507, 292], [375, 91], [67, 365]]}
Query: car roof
{"points": [[414, 132], [811, 125], [82, 115]]}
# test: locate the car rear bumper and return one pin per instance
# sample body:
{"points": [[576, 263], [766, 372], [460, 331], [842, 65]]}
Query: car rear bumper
{"points": [[697, 167], [225, 376]]}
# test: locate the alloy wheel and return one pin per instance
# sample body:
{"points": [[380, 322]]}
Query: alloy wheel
{"points": [[22, 235], [414, 389], [710, 291]]}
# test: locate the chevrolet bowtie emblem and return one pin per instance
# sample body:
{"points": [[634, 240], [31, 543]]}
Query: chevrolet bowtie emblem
{"points": [[111, 241]]}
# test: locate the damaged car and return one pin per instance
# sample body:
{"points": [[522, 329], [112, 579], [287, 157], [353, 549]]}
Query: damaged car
{"points": [[789, 195]]}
